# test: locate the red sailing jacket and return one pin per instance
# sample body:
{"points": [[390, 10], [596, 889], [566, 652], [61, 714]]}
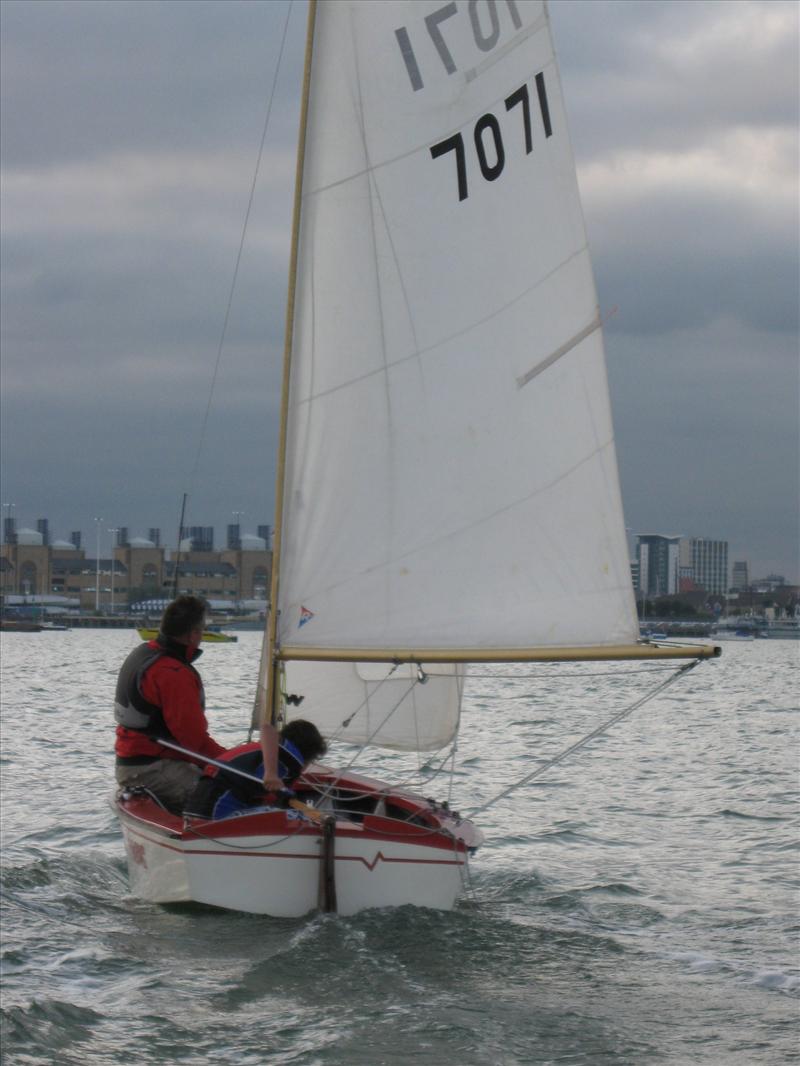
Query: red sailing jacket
{"points": [[176, 688]]}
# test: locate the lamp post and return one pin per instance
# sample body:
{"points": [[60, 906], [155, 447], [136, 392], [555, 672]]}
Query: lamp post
{"points": [[237, 517], [97, 522], [113, 533]]}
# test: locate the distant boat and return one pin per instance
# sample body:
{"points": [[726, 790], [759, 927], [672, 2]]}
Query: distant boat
{"points": [[653, 635], [759, 629], [210, 636], [733, 629], [786, 629], [8, 625]]}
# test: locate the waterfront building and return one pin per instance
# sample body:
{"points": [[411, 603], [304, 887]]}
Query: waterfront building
{"points": [[635, 576], [740, 576], [710, 564], [657, 556], [28, 570], [201, 538], [138, 570], [265, 532]]}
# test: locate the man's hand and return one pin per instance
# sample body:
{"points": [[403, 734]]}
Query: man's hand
{"points": [[269, 749]]}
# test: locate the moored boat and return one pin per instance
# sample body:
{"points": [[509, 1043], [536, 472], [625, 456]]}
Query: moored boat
{"points": [[210, 636]]}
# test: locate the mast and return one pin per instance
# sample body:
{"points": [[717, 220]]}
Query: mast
{"points": [[271, 707]]}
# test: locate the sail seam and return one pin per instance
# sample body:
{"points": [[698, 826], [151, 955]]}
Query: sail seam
{"points": [[478, 522], [419, 352]]}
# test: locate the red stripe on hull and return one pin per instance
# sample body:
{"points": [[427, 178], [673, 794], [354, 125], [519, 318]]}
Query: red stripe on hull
{"points": [[239, 853]]}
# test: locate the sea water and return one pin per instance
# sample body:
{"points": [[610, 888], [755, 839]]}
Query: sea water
{"points": [[635, 904]]}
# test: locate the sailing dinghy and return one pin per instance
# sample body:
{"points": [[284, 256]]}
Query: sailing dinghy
{"points": [[447, 489]]}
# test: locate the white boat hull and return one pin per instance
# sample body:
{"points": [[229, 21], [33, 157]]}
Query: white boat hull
{"points": [[270, 862]]}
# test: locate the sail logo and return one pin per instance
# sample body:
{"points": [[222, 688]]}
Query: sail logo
{"points": [[305, 616]]}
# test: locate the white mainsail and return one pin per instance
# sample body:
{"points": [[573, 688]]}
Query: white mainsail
{"points": [[451, 478]]}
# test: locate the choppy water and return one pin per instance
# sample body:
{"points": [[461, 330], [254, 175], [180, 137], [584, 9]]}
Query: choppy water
{"points": [[636, 905]]}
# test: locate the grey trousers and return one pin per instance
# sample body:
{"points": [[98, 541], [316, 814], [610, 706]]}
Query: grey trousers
{"points": [[171, 780]]}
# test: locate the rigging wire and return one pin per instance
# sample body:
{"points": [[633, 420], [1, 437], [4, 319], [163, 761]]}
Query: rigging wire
{"points": [[251, 198], [585, 740], [340, 773]]}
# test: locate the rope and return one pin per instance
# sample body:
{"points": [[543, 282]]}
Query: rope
{"points": [[427, 778], [585, 740], [324, 795]]}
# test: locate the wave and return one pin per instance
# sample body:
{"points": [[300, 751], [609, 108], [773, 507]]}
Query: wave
{"points": [[728, 812], [47, 1024], [773, 980]]}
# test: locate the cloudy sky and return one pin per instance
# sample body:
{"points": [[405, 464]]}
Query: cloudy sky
{"points": [[130, 132]]}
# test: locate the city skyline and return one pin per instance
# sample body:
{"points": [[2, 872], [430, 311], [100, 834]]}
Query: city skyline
{"points": [[126, 175], [110, 537]]}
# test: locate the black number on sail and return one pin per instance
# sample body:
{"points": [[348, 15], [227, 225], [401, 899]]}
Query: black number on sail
{"points": [[486, 29], [543, 106], [488, 137], [455, 144], [489, 123], [485, 42], [521, 96], [432, 22]]}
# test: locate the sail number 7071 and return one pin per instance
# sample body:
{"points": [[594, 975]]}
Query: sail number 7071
{"points": [[488, 137]]}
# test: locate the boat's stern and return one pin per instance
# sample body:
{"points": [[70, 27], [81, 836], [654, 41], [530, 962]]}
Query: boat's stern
{"points": [[154, 849]]}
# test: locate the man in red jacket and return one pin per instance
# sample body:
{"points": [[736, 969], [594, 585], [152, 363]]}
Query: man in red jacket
{"points": [[160, 694]]}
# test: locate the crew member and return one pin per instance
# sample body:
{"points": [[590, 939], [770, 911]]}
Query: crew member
{"points": [[160, 694], [220, 794]]}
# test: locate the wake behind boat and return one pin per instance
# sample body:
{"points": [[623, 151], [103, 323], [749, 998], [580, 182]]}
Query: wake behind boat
{"points": [[446, 487]]}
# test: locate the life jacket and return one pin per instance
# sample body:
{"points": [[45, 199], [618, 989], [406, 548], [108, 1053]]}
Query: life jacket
{"points": [[219, 794], [131, 709]]}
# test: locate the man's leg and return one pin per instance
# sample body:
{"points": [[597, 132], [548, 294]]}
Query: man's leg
{"points": [[171, 780]]}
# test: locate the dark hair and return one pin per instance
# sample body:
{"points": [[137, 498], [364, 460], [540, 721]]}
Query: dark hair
{"points": [[183, 615], [306, 738]]}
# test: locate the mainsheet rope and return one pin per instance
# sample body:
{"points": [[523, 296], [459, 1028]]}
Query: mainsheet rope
{"points": [[328, 791], [449, 755], [584, 740]]}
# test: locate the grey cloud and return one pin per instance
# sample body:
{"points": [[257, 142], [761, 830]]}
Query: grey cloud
{"points": [[149, 75], [673, 74], [129, 133], [673, 262]]}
